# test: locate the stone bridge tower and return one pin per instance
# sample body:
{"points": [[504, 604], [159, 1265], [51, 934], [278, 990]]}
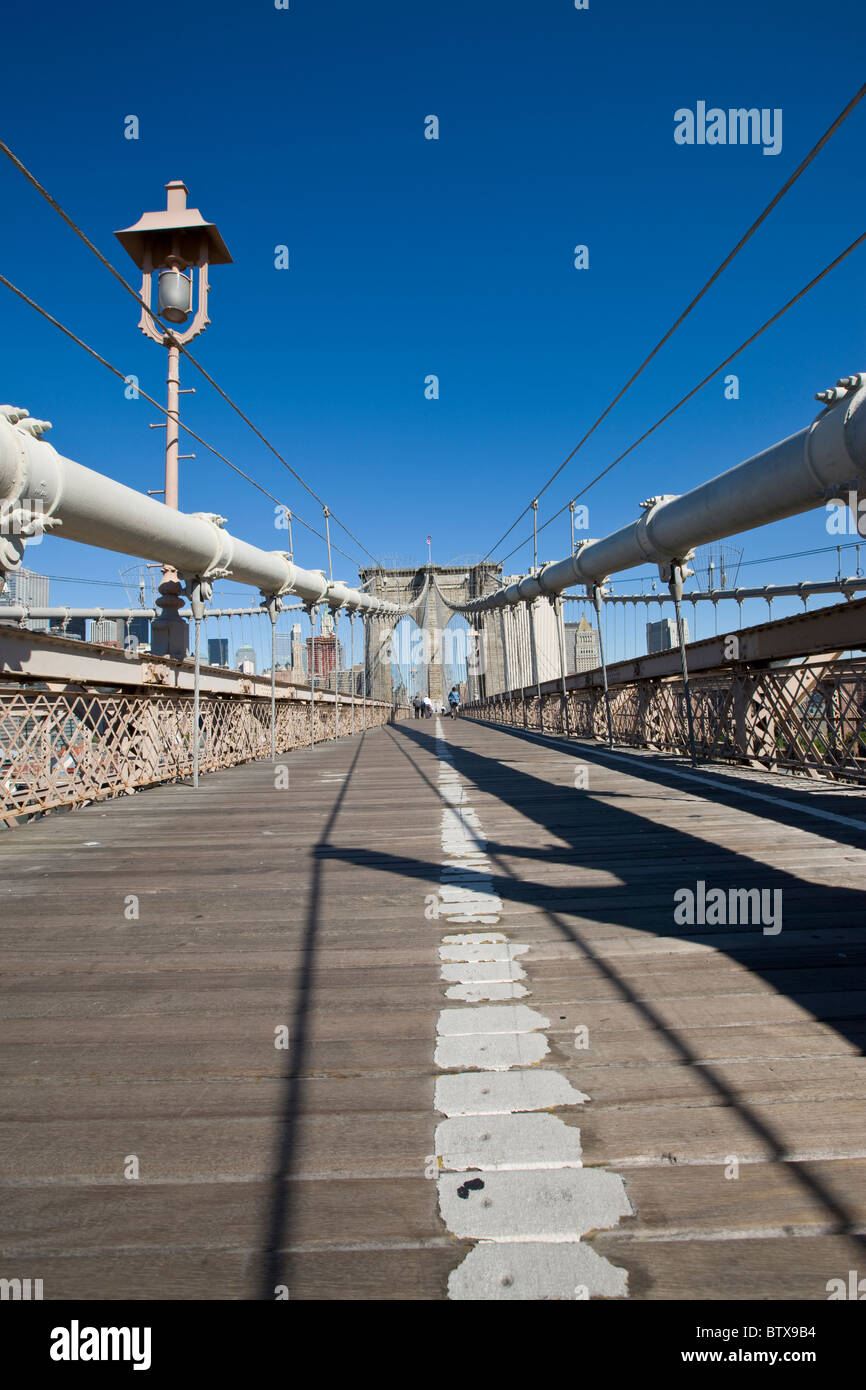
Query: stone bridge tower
{"points": [[426, 593]]}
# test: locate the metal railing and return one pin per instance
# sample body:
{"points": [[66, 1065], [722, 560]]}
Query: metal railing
{"points": [[65, 749], [808, 718]]}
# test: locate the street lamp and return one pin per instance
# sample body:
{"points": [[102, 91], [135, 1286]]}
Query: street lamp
{"points": [[173, 242]]}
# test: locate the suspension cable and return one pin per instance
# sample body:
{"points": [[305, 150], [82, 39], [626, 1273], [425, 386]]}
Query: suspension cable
{"points": [[156, 405], [668, 413], [789, 183]]}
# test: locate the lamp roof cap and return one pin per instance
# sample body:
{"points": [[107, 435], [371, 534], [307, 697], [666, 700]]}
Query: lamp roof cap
{"points": [[176, 225]]}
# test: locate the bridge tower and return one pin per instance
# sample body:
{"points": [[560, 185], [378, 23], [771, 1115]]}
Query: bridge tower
{"points": [[427, 593]]}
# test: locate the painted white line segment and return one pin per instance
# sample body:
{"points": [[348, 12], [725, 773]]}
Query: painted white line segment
{"points": [[535, 1272], [503, 1142], [474, 938], [548, 1205], [493, 990], [473, 1093], [505, 1018], [534, 1200], [496, 950], [491, 1051], [482, 972]]}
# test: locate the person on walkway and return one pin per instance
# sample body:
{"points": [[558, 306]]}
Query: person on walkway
{"points": [[454, 702], [428, 707], [418, 704]]}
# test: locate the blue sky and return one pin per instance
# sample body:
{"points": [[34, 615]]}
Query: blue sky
{"points": [[454, 257]]}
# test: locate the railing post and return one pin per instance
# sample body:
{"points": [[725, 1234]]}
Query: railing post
{"points": [[196, 699], [273, 604], [335, 613], [675, 584], [366, 623], [199, 592], [522, 660], [506, 683], [352, 665], [313, 612], [563, 664], [534, 657], [596, 598]]}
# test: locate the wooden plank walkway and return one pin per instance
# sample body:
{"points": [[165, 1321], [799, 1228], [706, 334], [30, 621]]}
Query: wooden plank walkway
{"points": [[153, 949]]}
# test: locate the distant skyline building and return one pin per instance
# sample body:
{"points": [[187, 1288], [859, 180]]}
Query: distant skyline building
{"points": [[283, 649], [218, 651], [75, 628], [244, 657], [662, 636], [26, 589], [581, 645], [137, 628], [118, 632], [323, 656], [299, 654], [107, 631]]}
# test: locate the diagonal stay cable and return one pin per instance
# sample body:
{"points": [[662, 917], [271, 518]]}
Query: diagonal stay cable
{"points": [[53, 203], [674, 408], [118, 373], [789, 183]]}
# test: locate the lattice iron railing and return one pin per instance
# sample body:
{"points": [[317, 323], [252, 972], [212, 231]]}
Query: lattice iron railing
{"points": [[65, 749], [807, 718]]}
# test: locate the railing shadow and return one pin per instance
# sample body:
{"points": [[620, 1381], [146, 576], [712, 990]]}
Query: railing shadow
{"points": [[280, 1206], [553, 808]]}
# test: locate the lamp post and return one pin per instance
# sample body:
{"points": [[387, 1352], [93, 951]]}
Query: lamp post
{"points": [[173, 242]]}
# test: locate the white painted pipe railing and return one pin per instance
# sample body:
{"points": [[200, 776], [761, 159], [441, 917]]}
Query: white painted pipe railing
{"points": [[39, 488], [824, 461], [768, 592]]}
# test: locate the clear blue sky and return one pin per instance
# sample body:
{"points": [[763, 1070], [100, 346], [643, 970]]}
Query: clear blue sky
{"points": [[410, 256]]}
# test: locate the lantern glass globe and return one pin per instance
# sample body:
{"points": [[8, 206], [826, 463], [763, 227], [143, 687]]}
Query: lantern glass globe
{"points": [[175, 295]]}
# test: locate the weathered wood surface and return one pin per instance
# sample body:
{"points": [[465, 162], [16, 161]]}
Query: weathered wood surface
{"points": [[304, 907]]}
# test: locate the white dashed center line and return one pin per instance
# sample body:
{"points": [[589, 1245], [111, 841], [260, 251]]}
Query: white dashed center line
{"points": [[510, 1176]]}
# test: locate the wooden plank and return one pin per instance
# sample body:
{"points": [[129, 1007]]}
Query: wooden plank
{"points": [[764, 1199], [780, 1268], [258, 908]]}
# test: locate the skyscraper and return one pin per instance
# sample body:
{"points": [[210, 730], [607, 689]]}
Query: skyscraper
{"points": [[137, 628], [26, 589], [74, 627], [299, 654], [283, 649], [108, 631], [218, 651], [324, 655], [581, 644], [662, 636]]}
